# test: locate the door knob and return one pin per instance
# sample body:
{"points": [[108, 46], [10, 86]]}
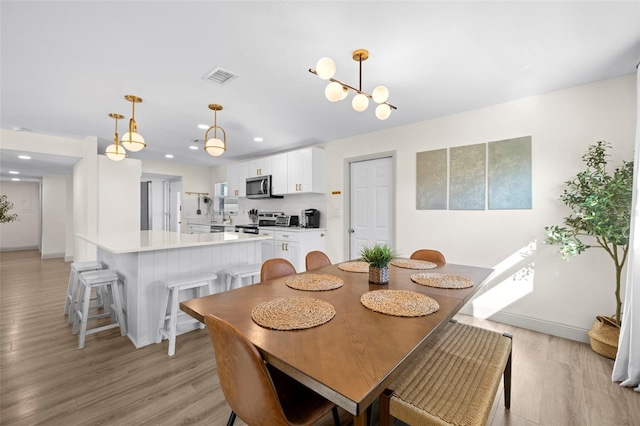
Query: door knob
{"points": [[351, 230]]}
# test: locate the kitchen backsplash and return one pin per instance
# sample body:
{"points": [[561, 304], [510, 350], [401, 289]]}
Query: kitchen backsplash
{"points": [[290, 205]]}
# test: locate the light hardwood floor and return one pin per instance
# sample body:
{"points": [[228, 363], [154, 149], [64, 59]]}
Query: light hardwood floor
{"points": [[46, 380]]}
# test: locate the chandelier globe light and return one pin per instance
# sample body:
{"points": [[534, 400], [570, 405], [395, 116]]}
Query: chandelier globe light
{"points": [[132, 140], [326, 68], [215, 146], [360, 102], [337, 90], [115, 151], [383, 111]]}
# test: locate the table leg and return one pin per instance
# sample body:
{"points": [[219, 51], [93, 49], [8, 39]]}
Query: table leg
{"points": [[360, 419]]}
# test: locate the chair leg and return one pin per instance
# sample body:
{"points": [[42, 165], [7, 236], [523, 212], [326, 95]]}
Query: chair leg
{"points": [[115, 290], [70, 293], [385, 417], [85, 316], [173, 321], [163, 314], [336, 417], [232, 418], [507, 383]]}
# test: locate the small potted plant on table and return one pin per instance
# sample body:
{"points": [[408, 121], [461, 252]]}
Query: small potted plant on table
{"points": [[378, 258], [601, 204]]}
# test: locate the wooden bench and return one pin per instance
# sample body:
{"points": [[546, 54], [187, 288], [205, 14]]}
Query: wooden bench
{"points": [[453, 380]]}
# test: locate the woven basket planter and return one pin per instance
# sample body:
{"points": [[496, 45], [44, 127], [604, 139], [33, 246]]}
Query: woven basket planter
{"points": [[378, 275], [603, 337]]}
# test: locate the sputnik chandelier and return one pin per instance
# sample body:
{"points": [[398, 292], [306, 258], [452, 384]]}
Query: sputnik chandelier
{"points": [[336, 90]]}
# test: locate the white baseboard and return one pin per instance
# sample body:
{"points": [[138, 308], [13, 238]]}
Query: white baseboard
{"points": [[68, 258], [534, 324], [52, 256], [19, 248]]}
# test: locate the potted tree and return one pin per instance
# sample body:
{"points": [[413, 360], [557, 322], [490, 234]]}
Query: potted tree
{"points": [[378, 257], [601, 211]]}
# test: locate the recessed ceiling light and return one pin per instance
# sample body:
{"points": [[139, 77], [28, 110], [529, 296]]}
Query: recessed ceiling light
{"points": [[13, 172], [15, 179], [24, 157], [193, 147], [258, 139], [203, 126], [169, 155]]}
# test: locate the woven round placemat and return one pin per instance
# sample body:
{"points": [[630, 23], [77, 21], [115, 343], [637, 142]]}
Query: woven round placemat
{"points": [[292, 313], [413, 264], [441, 280], [314, 282], [399, 303], [357, 266]]}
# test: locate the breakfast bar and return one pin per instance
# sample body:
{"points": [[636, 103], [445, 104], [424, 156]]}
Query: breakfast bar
{"points": [[144, 260]]}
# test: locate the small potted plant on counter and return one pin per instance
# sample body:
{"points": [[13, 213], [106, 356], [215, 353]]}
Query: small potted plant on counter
{"points": [[378, 258], [601, 205]]}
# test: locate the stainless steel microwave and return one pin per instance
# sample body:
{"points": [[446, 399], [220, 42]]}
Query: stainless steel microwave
{"points": [[260, 187]]}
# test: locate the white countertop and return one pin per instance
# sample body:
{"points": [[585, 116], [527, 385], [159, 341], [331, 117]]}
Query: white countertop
{"points": [[162, 240]]}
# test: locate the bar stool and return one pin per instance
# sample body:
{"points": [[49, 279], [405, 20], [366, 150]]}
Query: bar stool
{"points": [[173, 288], [96, 280], [76, 269], [236, 273]]}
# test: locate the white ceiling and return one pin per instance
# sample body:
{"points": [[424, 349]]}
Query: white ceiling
{"points": [[66, 65]]}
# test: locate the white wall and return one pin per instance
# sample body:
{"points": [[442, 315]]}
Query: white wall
{"points": [[194, 179], [54, 216], [536, 289], [23, 234], [119, 196], [69, 236], [85, 200]]}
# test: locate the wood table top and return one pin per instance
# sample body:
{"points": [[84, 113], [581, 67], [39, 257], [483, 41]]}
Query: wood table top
{"points": [[353, 357]]}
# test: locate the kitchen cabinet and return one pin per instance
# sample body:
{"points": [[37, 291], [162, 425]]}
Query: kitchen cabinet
{"points": [[294, 244], [267, 245], [279, 174], [306, 171], [260, 167], [237, 179]]}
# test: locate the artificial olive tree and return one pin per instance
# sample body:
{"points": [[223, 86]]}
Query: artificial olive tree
{"points": [[601, 208]]}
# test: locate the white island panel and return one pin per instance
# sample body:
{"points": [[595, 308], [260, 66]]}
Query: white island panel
{"points": [[157, 258]]}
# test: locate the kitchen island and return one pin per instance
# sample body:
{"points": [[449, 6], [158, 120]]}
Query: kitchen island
{"points": [[143, 260]]}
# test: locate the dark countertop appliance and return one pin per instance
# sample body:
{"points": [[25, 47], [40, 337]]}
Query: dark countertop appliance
{"points": [[311, 218]]}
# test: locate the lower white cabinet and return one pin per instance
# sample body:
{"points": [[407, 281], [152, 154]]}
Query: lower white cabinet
{"points": [[267, 245], [294, 244]]}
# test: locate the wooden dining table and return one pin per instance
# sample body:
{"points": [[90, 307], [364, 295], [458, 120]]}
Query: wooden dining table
{"points": [[353, 357]]}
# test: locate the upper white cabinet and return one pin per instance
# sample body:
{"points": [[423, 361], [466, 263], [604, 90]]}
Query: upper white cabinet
{"points": [[306, 171], [260, 167], [237, 179], [296, 172], [279, 174]]}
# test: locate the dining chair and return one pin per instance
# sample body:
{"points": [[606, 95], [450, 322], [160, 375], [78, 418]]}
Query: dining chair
{"points": [[429, 255], [276, 268], [316, 260], [258, 393]]}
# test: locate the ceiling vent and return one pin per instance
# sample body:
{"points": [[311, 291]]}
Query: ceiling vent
{"points": [[219, 76]]}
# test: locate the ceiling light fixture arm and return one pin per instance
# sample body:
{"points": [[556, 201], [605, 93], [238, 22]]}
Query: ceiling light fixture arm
{"points": [[312, 71]]}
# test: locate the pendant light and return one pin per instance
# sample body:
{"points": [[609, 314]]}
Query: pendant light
{"points": [[215, 146], [132, 140], [115, 151], [336, 90]]}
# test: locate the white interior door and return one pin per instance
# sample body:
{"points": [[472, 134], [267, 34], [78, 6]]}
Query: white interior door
{"points": [[175, 190], [370, 204]]}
